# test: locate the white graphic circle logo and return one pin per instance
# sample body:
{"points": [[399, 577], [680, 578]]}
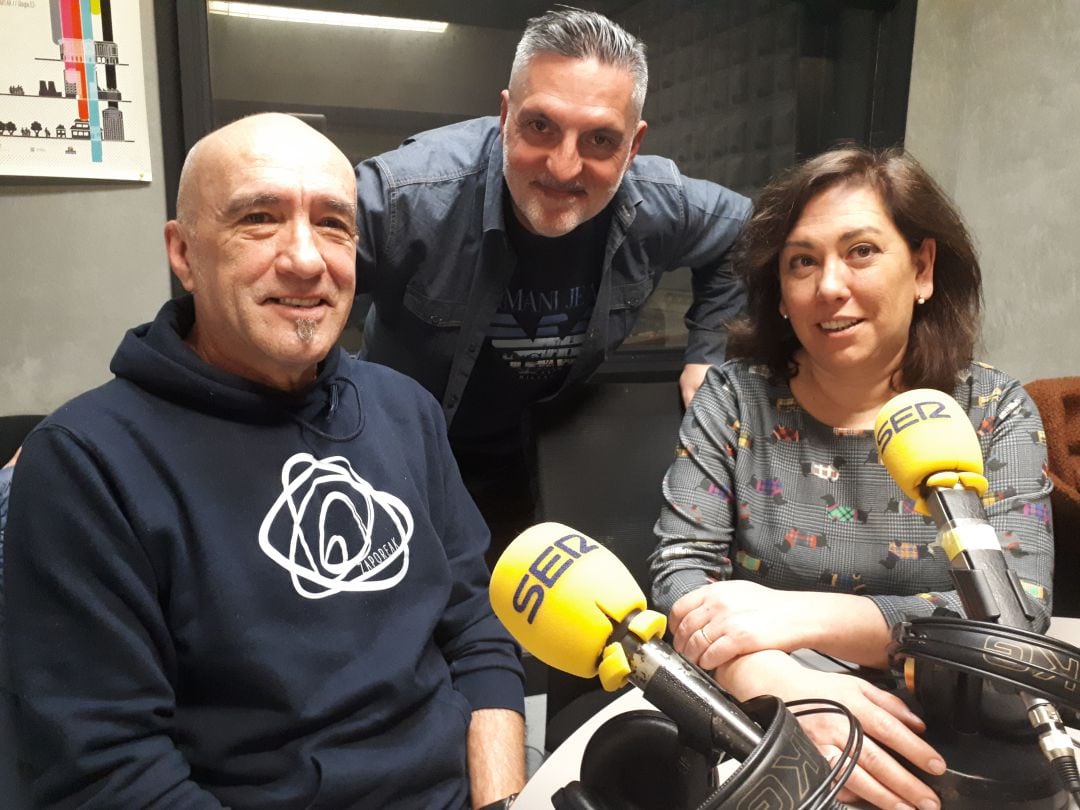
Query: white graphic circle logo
{"points": [[375, 557]]}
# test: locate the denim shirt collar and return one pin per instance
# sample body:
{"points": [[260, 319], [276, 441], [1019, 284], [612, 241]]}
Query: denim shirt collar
{"points": [[495, 188], [626, 201]]}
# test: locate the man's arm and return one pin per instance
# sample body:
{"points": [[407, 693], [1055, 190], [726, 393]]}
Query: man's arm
{"points": [[484, 661], [693, 375], [714, 217], [496, 755], [86, 641]]}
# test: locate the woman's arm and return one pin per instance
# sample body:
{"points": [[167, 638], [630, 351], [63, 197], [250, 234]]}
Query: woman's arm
{"points": [[696, 526], [723, 620], [692, 564]]}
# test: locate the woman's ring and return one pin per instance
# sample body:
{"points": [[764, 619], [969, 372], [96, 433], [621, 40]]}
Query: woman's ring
{"points": [[705, 635]]}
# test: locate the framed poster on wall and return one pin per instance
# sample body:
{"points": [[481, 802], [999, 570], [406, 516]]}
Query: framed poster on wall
{"points": [[72, 97]]}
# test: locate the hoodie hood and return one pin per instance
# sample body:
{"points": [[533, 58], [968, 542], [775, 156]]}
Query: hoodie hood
{"points": [[155, 357]]}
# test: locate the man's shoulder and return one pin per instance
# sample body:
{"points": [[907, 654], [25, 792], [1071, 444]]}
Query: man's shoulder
{"points": [[84, 414], [447, 153], [654, 169], [653, 176], [665, 172], [95, 421]]}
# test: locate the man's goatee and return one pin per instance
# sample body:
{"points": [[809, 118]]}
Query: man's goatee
{"points": [[306, 329]]}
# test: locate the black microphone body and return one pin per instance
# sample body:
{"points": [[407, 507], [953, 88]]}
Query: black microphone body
{"points": [[989, 590], [707, 716]]}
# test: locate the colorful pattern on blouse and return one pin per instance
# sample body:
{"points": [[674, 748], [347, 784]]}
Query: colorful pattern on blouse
{"points": [[760, 490]]}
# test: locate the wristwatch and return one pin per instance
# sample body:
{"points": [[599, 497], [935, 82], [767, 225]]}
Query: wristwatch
{"points": [[500, 804]]}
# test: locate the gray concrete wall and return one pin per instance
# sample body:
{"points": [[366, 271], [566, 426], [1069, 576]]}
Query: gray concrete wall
{"points": [[994, 114], [79, 264]]}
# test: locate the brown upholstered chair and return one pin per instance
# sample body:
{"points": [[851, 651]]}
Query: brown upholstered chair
{"points": [[1058, 400]]}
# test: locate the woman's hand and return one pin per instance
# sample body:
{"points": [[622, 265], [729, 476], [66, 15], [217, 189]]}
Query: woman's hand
{"points": [[721, 621], [724, 620], [887, 722]]}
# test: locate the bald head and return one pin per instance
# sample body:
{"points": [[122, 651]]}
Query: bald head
{"points": [[252, 139], [265, 241]]}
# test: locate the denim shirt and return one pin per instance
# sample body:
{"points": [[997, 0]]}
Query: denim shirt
{"points": [[433, 253], [5, 494]]}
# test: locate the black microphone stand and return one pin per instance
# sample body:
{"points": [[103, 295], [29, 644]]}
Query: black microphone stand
{"points": [[669, 756], [987, 686]]}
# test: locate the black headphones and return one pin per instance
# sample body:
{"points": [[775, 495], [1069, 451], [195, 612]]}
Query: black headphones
{"points": [[639, 761], [1008, 657]]}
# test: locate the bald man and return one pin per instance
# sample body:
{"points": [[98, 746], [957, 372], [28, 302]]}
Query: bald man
{"points": [[245, 572]]}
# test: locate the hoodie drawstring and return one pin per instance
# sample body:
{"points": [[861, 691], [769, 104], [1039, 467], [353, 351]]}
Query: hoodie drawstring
{"points": [[336, 386], [335, 398]]}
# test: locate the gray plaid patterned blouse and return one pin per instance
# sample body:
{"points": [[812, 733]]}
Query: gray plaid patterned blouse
{"points": [[760, 490]]}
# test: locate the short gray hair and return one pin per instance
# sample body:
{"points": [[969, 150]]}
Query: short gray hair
{"points": [[580, 34]]}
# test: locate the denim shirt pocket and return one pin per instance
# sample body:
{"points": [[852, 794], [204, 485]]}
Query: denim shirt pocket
{"points": [[627, 301], [633, 295], [434, 311]]}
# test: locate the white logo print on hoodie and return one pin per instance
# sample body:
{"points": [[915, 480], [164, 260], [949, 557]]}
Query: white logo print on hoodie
{"points": [[373, 558]]}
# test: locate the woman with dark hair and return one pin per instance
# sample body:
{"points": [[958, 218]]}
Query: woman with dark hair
{"points": [[781, 530], [945, 324]]}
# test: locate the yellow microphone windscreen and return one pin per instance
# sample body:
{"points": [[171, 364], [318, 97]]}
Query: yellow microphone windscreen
{"points": [[560, 594], [923, 432]]}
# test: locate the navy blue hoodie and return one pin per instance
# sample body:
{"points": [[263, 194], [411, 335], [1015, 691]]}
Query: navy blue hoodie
{"points": [[219, 593]]}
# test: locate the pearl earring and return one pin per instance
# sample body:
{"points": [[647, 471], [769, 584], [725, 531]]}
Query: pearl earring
{"points": [[920, 300]]}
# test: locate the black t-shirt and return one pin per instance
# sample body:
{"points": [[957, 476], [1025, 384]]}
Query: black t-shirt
{"points": [[536, 333]]}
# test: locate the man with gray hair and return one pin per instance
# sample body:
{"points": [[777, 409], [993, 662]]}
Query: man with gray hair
{"points": [[506, 257]]}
